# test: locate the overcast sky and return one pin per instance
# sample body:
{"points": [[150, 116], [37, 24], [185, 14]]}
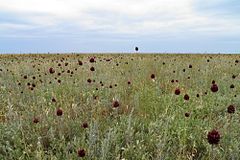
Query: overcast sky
{"points": [[119, 25]]}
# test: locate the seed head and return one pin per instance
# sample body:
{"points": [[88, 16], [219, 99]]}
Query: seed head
{"points": [[231, 109], [59, 112], [51, 70], [213, 137], [177, 91], [214, 88], [115, 104], [152, 76], [85, 125], [81, 153], [186, 97]]}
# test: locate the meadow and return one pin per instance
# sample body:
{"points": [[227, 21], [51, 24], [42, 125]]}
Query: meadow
{"points": [[119, 106]]}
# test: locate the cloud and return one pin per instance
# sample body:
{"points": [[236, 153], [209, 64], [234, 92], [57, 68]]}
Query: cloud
{"points": [[120, 21], [107, 15]]}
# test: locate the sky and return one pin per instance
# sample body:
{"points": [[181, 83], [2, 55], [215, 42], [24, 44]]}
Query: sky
{"points": [[159, 26]]}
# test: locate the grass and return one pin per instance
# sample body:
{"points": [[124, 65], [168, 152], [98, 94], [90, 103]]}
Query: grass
{"points": [[150, 122]]}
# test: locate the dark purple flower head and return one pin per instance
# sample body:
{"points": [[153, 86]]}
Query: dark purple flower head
{"points": [[92, 69], [81, 153], [89, 80], [187, 114], [177, 91], [214, 88], [35, 120], [231, 109], [152, 76], [115, 104], [92, 60], [85, 125], [51, 70], [54, 100], [59, 112], [213, 137], [136, 49], [80, 63], [186, 97]]}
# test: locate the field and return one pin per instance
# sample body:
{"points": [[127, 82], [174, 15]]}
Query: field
{"points": [[113, 106]]}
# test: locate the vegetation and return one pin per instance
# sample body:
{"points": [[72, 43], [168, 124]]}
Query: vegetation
{"points": [[132, 107]]}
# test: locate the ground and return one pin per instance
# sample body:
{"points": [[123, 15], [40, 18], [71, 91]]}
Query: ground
{"points": [[119, 106]]}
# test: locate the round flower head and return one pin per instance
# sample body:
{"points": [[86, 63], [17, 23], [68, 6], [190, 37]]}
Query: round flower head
{"points": [[213, 137], [177, 91], [231, 109], [214, 88], [81, 153]]}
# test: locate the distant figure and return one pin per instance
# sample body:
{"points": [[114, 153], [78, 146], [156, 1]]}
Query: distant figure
{"points": [[136, 49]]}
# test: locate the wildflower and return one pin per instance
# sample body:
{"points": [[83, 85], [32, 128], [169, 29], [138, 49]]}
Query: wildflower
{"points": [[81, 153], [51, 70], [59, 112], [186, 97], [214, 88], [177, 91], [213, 137], [92, 69], [231, 109], [85, 125], [35, 120], [187, 114], [91, 60], [152, 76], [115, 104]]}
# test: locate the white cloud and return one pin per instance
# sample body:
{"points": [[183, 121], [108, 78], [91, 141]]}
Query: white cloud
{"points": [[123, 17]]}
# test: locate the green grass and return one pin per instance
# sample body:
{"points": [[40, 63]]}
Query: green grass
{"points": [[150, 122]]}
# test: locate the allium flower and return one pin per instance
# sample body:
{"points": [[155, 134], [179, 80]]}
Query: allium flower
{"points": [[91, 60], [59, 112], [54, 100], [89, 80], [213, 137], [187, 114], [51, 70], [177, 91], [214, 88], [136, 49], [35, 120], [115, 104], [80, 63], [152, 76], [81, 153], [231, 109], [186, 97], [92, 69], [85, 125]]}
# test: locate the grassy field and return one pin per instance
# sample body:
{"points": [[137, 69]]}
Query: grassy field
{"points": [[103, 107]]}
